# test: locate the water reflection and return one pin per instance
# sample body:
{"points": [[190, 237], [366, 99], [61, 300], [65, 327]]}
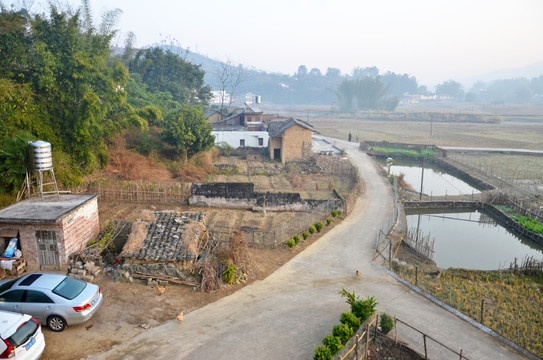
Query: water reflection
{"points": [[436, 181], [472, 240]]}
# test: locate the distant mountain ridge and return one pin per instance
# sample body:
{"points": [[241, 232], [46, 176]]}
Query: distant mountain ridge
{"points": [[529, 72], [291, 89]]}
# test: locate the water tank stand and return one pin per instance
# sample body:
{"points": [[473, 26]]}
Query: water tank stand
{"points": [[42, 183], [49, 188]]}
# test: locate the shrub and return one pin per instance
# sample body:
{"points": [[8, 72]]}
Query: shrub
{"points": [[335, 213], [328, 221], [311, 229], [342, 331], [230, 274], [387, 323], [291, 243], [333, 343], [318, 226], [363, 309], [322, 353], [351, 320], [305, 235], [296, 239]]}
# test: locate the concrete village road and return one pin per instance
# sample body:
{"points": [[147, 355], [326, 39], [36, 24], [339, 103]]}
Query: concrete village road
{"points": [[287, 314]]}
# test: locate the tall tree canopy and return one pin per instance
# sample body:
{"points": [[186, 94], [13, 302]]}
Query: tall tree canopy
{"points": [[187, 129], [366, 93], [165, 71], [59, 83]]}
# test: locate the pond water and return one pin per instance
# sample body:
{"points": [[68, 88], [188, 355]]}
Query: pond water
{"points": [[436, 181], [472, 240]]}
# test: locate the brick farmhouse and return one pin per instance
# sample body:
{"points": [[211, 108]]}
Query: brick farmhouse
{"points": [[50, 229], [289, 140]]}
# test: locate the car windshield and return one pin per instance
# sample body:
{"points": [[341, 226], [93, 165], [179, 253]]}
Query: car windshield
{"points": [[23, 333], [7, 285], [69, 288]]}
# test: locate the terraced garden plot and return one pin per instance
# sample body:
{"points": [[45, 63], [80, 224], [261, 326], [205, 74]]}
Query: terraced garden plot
{"points": [[513, 166]]}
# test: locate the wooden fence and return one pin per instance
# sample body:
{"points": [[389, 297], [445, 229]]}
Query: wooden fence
{"points": [[129, 192], [421, 243], [357, 347]]}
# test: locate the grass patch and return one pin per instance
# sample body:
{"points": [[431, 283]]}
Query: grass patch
{"points": [[427, 153]]}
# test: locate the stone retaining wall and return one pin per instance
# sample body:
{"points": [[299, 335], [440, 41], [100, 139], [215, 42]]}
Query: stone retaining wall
{"points": [[243, 196]]}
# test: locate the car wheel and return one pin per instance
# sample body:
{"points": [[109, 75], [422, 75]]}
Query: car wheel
{"points": [[56, 323]]}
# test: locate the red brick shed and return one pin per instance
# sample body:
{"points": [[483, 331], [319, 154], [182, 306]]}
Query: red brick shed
{"points": [[50, 229]]}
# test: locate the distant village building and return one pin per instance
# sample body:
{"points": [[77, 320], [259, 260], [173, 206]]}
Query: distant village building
{"points": [[286, 138], [241, 138], [220, 97], [290, 139], [50, 229]]}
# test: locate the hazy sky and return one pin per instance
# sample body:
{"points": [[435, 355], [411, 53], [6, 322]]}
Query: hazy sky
{"points": [[434, 40]]}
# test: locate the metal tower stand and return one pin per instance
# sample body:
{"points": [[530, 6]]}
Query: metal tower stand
{"points": [[39, 182]]}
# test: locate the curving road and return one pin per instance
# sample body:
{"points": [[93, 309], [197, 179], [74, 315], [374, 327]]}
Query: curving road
{"points": [[288, 313]]}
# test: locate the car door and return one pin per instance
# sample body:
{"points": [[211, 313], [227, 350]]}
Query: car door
{"points": [[38, 305], [12, 300]]}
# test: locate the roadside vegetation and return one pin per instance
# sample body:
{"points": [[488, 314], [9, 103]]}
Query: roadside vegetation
{"points": [[425, 153], [361, 310]]}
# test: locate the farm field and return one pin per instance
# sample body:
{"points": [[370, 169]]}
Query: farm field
{"points": [[506, 134], [512, 307]]}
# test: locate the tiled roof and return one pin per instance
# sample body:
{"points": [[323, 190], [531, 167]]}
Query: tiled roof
{"points": [[165, 241], [277, 128]]}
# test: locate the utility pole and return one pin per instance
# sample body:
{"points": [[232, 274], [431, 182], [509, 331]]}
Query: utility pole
{"points": [[421, 179]]}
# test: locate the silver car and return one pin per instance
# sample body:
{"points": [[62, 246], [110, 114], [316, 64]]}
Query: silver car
{"points": [[52, 299]]}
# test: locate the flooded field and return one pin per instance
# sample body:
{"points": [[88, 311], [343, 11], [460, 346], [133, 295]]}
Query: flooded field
{"points": [[472, 240]]}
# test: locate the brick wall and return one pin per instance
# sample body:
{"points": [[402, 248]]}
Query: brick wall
{"points": [[27, 240], [73, 233], [296, 143], [79, 227]]}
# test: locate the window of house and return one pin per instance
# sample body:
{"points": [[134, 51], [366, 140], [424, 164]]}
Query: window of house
{"points": [[260, 141], [248, 118], [242, 143]]}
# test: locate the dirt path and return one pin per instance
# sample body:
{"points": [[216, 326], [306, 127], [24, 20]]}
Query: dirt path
{"points": [[288, 313]]}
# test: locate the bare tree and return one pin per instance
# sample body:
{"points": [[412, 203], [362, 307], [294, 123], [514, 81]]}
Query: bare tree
{"points": [[230, 76]]}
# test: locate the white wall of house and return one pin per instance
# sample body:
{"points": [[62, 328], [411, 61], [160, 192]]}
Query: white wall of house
{"points": [[238, 139]]}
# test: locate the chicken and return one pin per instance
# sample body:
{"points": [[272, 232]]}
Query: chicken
{"points": [[160, 289], [358, 272], [180, 317]]}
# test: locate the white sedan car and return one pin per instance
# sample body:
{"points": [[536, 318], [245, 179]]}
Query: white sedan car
{"points": [[20, 337], [52, 299]]}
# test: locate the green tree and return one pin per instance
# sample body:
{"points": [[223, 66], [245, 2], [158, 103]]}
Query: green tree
{"points": [[450, 88], [14, 161], [164, 71], [187, 129], [83, 97], [14, 43], [364, 93]]}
